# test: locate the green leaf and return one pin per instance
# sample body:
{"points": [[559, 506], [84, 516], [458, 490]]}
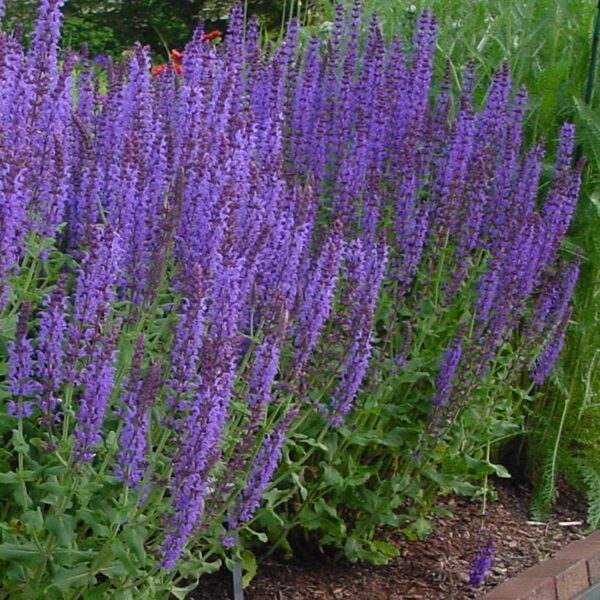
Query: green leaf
{"points": [[26, 554], [135, 537], [361, 475], [182, 592], [331, 476], [249, 566], [56, 471], [310, 520], [353, 548], [19, 443], [62, 527], [21, 496], [79, 576], [11, 477], [464, 488], [399, 436], [98, 592], [87, 490], [500, 471], [114, 570], [299, 486], [93, 520], [112, 441], [121, 553], [321, 507], [72, 557], [363, 438], [385, 548], [478, 467], [52, 486], [418, 530], [260, 535], [33, 520], [308, 441], [197, 567], [7, 422]]}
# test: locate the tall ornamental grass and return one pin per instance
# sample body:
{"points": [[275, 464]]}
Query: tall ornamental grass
{"points": [[200, 264]]}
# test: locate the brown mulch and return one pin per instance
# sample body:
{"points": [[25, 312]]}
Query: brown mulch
{"points": [[435, 568]]}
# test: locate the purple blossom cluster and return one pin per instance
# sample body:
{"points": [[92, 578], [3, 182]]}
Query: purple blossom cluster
{"points": [[482, 564], [21, 368], [50, 356], [140, 396], [250, 190]]}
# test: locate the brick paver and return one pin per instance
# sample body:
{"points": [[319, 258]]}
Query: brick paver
{"points": [[570, 572], [530, 588]]}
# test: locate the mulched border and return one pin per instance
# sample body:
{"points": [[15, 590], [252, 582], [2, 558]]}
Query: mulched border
{"points": [[434, 568]]}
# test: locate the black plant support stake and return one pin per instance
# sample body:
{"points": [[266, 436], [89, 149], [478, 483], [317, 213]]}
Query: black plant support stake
{"points": [[589, 86], [238, 586], [238, 589]]}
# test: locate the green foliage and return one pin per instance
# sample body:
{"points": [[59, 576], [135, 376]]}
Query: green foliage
{"points": [[589, 471], [113, 26]]}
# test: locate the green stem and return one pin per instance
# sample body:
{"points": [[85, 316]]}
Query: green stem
{"points": [[485, 484], [67, 411], [557, 440], [442, 264], [21, 460], [589, 87]]}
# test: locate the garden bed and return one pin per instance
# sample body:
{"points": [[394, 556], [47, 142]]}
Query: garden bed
{"points": [[433, 568]]}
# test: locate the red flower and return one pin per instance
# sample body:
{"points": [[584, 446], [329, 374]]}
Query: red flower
{"points": [[158, 69], [213, 35], [176, 56]]}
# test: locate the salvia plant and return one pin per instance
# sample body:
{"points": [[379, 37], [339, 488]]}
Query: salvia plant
{"points": [[548, 45], [202, 268]]}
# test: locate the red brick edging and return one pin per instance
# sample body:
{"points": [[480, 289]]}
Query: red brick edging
{"points": [[569, 573]]}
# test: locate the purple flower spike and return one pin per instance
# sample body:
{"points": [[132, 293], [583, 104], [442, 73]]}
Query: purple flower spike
{"points": [[553, 301], [562, 197], [94, 293], [139, 399], [98, 380], [448, 370], [367, 266], [50, 356], [318, 295], [482, 564], [261, 473], [546, 360], [21, 368]]}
